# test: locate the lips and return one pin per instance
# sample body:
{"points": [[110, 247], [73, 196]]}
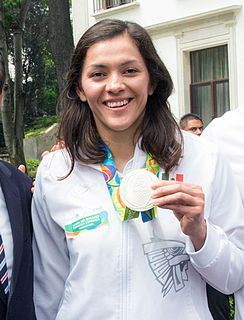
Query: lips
{"points": [[117, 104]]}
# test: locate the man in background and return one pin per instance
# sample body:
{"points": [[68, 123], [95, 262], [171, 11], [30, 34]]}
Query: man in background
{"points": [[218, 302], [16, 263], [191, 122], [228, 134]]}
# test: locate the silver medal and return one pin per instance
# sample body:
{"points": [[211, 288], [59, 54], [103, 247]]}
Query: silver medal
{"points": [[135, 189]]}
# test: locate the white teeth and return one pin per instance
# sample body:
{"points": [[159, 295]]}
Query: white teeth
{"points": [[117, 103]]}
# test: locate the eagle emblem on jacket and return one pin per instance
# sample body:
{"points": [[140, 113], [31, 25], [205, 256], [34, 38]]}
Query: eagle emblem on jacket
{"points": [[169, 263]]}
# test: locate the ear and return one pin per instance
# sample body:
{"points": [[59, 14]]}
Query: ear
{"points": [[81, 94], [151, 89]]}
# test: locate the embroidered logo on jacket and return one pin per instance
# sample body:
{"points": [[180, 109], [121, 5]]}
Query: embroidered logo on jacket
{"points": [[169, 263]]}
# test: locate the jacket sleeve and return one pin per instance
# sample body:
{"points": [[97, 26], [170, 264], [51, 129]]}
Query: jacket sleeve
{"points": [[51, 261], [221, 260]]}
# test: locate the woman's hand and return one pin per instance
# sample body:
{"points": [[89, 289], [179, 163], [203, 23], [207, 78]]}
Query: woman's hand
{"points": [[186, 200]]}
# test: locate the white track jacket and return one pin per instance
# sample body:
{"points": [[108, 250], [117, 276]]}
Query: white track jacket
{"points": [[228, 134], [132, 270]]}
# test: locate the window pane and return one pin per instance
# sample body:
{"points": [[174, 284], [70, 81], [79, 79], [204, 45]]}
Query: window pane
{"points": [[209, 64], [115, 3], [201, 102], [222, 100], [209, 69]]}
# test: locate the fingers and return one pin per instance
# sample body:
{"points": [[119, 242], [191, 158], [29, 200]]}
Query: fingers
{"points": [[22, 168], [57, 146], [44, 153], [33, 186], [176, 193], [186, 200]]}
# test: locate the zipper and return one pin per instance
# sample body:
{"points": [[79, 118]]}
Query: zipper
{"points": [[125, 270]]}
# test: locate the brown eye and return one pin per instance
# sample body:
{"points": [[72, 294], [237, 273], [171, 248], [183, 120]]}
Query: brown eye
{"points": [[130, 71], [97, 75]]}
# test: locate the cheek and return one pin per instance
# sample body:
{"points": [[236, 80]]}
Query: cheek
{"points": [[92, 91]]}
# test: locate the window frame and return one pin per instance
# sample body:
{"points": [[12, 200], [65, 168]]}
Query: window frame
{"points": [[204, 35], [212, 85], [102, 8]]}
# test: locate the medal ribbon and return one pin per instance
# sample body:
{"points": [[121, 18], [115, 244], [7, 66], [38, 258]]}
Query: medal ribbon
{"points": [[112, 179]]}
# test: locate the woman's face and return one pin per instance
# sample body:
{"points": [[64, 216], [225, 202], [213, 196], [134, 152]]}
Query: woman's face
{"points": [[115, 83]]}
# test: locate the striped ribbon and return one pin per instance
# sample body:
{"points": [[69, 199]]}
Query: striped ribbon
{"points": [[112, 179], [3, 268]]}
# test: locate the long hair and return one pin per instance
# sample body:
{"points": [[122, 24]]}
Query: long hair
{"points": [[161, 136]]}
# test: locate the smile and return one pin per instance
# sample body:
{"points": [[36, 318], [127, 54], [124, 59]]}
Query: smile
{"points": [[116, 104]]}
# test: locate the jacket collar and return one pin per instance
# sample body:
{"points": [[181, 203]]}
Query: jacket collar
{"points": [[13, 204]]}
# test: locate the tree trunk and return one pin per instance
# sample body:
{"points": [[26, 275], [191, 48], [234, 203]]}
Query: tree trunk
{"points": [[7, 118], [61, 38], [13, 126], [18, 152]]}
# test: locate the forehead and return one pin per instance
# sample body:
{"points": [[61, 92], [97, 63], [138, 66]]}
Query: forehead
{"points": [[118, 47], [194, 123]]}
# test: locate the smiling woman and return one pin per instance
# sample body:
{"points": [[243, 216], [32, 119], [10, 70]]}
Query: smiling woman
{"points": [[116, 89], [131, 208]]}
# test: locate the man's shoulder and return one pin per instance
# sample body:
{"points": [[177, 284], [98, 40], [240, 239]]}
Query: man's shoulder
{"points": [[197, 144], [228, 119], [6, 168], [10, 171]]}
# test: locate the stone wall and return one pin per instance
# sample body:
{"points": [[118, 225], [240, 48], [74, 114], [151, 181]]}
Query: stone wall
{"points": [[34, 146]]}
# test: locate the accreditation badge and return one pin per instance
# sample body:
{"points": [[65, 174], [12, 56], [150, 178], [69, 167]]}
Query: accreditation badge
{"points": [[86, 223]]}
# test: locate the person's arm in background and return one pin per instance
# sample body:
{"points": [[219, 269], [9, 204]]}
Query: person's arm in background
{"points": [[226, 133]]}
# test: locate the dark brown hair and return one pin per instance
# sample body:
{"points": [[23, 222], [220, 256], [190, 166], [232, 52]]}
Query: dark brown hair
{"points": [[161, 136], [187, 117]]}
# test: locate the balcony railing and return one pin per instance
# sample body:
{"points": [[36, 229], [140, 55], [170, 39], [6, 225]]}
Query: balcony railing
{"points": [[100, 5]]}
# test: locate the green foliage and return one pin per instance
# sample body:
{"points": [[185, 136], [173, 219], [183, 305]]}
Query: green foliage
{"points": [[11, 8], [32, 165], [39, 69], [39, 72], [232, 307], [39, 125]]}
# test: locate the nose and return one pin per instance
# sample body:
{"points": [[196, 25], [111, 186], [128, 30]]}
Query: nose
{"points": [[198, 132], [114, 83]]}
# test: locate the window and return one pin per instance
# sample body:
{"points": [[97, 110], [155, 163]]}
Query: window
{"points": [[107, 4], [209, 87], [115, 3]]}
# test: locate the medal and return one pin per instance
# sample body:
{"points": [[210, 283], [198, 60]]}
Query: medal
{"points": [[140, 186], [135, 189]]}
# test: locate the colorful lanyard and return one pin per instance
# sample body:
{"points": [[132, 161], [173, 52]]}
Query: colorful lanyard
{"points": [[112, 179]]}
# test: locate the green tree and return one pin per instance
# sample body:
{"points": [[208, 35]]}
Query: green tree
{"points": [[40, 78], [32, 37], [13, 126]]}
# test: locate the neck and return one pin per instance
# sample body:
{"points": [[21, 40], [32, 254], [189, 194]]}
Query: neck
{"points": [[122, 149], [122, 153]]}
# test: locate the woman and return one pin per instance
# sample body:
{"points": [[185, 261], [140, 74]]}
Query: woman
{"points": [[95, 258]]}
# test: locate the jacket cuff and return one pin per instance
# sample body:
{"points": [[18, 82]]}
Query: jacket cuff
{"points": [[211, 249]]}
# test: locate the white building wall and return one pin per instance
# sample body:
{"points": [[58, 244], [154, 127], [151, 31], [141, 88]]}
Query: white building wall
{"points": [[240, 56], [176, 27]]}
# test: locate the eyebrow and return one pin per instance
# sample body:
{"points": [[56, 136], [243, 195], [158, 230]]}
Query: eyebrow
{"points": [[100, 65], [195, 128]]}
